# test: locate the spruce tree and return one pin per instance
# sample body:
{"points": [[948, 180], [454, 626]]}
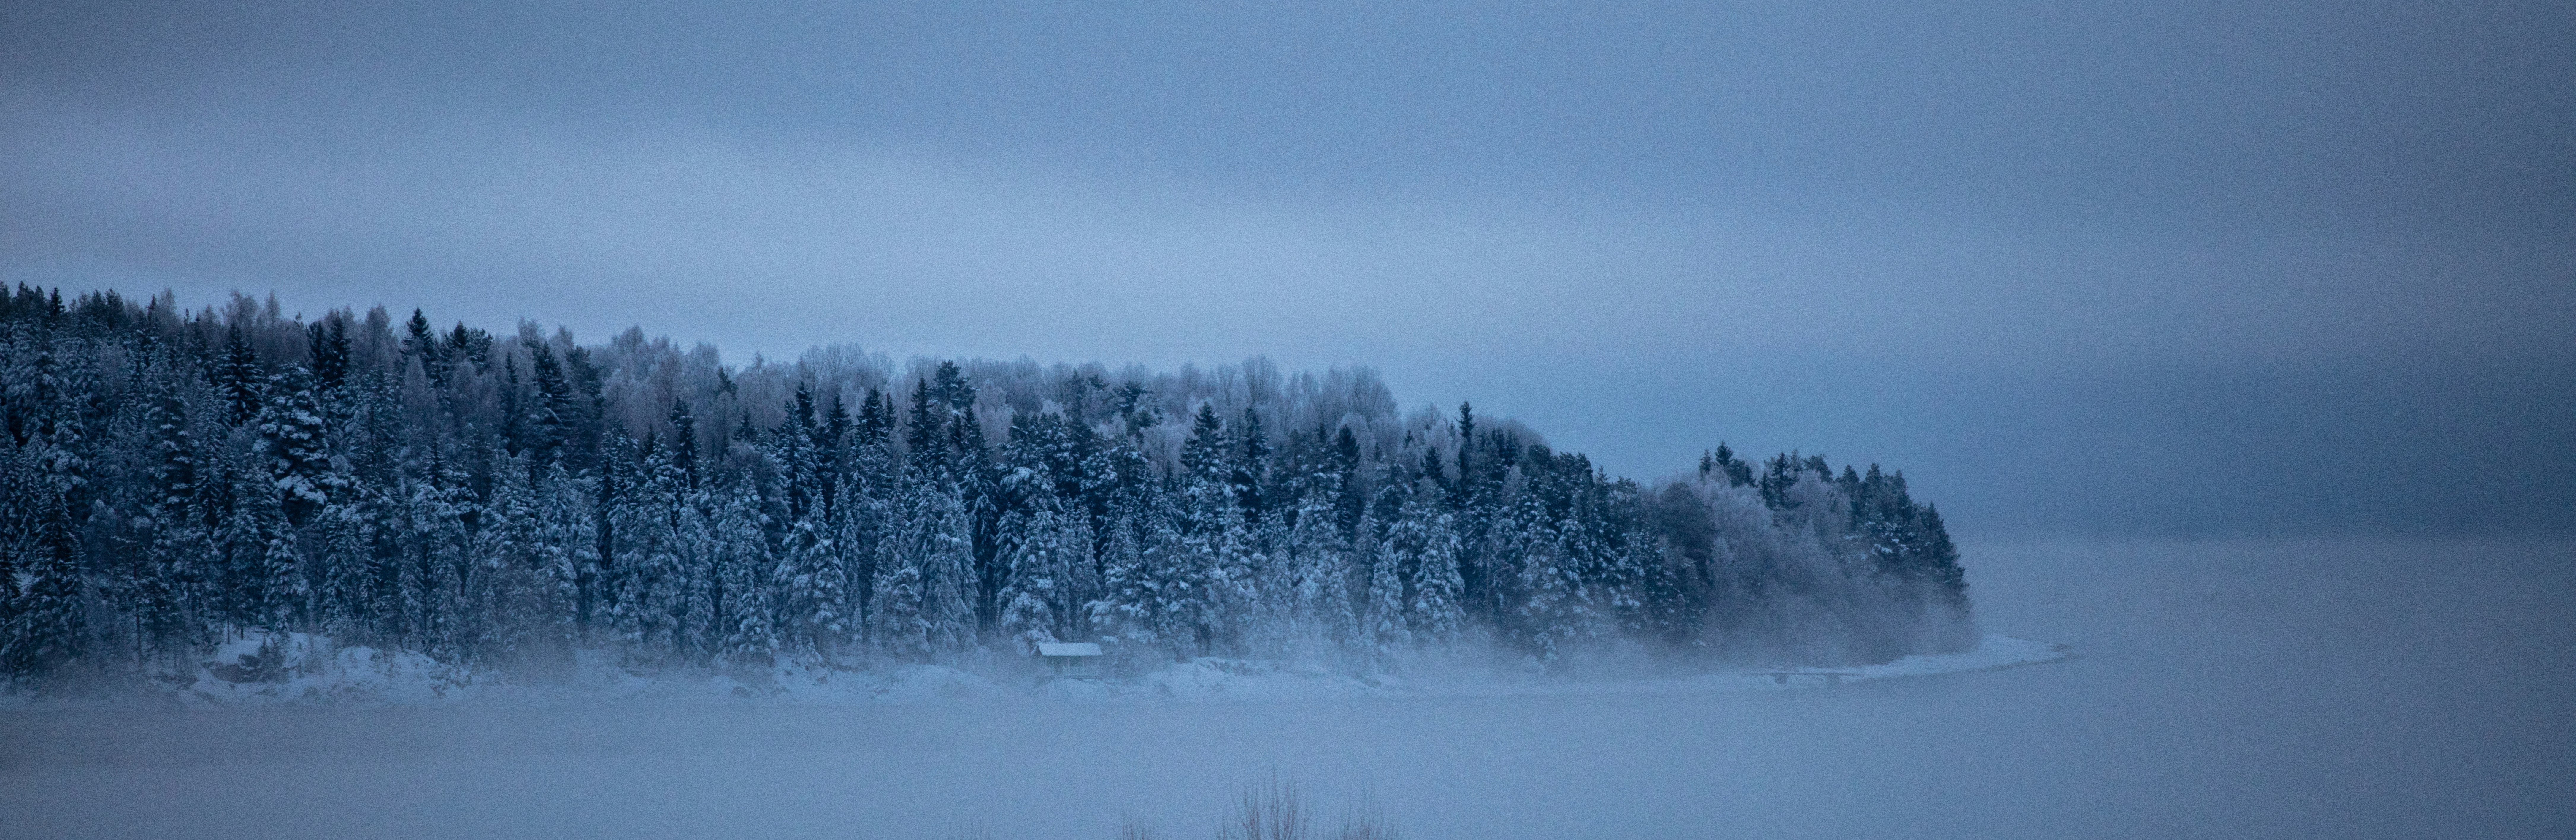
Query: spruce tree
{"points": [[1037, 603], [239, 377], [550, 417], [926, 431], [292, 431], [327, 341], [896, 622], [421, 344], [1124, 612], [943, 548], [810, 595], [741, 605], [1250, 473], [1320, 609], [684, 442], [51, 625], [1423, 546], [1385, 635]]}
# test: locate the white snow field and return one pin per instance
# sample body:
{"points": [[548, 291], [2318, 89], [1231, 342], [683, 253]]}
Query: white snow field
{"points": [[2292, 689]]}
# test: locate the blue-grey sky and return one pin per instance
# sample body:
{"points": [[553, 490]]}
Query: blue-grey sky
{"points": [[2127, 268]]}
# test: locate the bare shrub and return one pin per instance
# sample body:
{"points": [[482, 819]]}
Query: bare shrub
{"points": [[1366, 819], [1271, 809], [1133, 827], [1277, 808]]}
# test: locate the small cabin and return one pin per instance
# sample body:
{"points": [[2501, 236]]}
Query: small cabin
{"points": [[1071, 659]]}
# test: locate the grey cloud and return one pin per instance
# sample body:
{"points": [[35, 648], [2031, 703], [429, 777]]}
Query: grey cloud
{"points": [[1642, 228]]}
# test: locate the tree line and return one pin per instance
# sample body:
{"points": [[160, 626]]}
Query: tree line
{"points": [[173, 478]]}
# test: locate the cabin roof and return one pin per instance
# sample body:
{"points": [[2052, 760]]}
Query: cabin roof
{"points": [[1068, 649]]}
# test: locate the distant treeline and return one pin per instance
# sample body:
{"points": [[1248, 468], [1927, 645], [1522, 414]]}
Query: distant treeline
{"points": [[171, 477]]}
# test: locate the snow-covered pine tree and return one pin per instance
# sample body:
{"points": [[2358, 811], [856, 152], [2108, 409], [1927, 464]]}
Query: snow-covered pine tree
{"points": [[340, 562], [1424, 536], [1129, 612], [437, 551], [939, 543], [809, 589], [1319, 615], [1384, 636], [650, 604], [896, 624], [239, 378], [268, 586], [421, 346], [1032, 596], [740, 579], [50, 624], [550, 412], [1555, 608], [291, 432], [175, 546]]}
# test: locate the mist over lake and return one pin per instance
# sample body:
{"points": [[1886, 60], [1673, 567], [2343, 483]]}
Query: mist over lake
{"points": [[2271, 688], [1015, 421]]}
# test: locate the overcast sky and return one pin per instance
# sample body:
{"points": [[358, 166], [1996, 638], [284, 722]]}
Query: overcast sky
{"points": [[2120, 268]]}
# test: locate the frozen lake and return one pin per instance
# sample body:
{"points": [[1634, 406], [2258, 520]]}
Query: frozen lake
{"points": [[2257, 689]]}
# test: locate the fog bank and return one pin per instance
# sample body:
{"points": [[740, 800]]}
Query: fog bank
{"points": [[2352, 689]]}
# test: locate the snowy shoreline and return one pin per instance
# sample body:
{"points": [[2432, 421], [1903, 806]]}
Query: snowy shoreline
{"points": [[1224, 680], [359, 677]]}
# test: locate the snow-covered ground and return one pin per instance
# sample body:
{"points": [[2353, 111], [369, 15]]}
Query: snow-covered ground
{"points": [[1239, 680], [297, 669]]}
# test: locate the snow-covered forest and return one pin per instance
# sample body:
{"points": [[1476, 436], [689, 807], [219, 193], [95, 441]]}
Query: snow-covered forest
{"points": [[174, 478]]}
